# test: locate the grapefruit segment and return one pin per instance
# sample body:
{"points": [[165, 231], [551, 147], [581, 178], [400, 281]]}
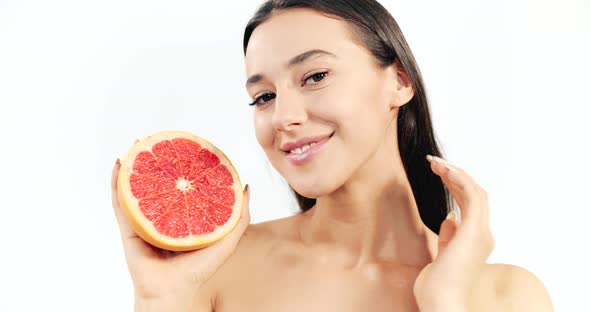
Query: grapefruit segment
{"points": [[178, 191], [155, 206], [220, 177], [188, 152], [144, 185]]}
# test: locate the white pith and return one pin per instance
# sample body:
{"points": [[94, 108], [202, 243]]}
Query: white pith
{"points": [[183, 185]]}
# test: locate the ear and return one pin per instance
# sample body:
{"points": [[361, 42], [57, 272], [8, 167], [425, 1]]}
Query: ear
{"points": [[403, 91]]}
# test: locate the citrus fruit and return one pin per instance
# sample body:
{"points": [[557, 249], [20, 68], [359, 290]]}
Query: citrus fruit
{"points": [[178, 191]]}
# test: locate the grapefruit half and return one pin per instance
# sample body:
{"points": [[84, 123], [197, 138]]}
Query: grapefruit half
{"points": [[178, 191]]}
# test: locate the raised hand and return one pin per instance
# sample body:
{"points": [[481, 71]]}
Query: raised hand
{"points": [[463, 248], [173, 276]]}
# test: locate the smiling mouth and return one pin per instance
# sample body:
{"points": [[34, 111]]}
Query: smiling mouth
{"points": [[306, 147]]}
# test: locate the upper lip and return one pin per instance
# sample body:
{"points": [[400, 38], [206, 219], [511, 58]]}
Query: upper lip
{"points": [[299, 143]]}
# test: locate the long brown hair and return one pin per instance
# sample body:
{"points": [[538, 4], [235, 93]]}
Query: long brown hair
{"points": [[380, 34]]}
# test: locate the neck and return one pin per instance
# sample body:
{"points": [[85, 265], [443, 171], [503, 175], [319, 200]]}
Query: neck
{"points": [[371, 218]]}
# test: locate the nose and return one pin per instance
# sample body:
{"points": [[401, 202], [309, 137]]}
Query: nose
{"points": [[289, 111]]}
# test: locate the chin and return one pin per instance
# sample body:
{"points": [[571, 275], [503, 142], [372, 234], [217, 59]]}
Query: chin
{"points": [[316, 189], [309, 193]]}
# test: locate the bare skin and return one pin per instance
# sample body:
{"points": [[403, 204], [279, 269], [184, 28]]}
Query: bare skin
{"points": [[365, 209], [363, 244], [273, 270], [361, 247]]}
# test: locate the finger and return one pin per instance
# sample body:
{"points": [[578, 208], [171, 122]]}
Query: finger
{"points": [[132, 243], [472, 202], [468, 194], [447, 231], [245, 216]]}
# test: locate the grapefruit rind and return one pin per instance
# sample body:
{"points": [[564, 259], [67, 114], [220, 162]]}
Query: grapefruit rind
{"points": [[145, 228]]}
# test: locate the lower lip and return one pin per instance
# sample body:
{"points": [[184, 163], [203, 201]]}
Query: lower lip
{"points": [[299, 159]]}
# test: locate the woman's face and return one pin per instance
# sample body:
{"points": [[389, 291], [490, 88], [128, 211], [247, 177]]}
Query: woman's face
{"points": [[339, 99]]}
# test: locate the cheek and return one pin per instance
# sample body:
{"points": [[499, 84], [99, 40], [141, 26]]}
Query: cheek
{"points": [[364, 119], [263, 129]]}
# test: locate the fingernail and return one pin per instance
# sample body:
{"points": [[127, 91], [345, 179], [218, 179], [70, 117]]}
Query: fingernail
{"points": [[452, 216], [440, 160], [430, 158], [246, 188], [118, 162]]}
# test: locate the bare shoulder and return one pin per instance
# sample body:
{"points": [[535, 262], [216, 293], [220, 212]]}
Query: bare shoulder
{"points": [[264, 236], [512, 288], [251, 258]]}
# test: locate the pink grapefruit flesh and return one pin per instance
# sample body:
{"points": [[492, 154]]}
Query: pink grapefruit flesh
{"points": [[178, 191]]}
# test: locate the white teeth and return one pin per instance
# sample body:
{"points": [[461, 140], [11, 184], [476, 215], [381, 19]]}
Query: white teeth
{"points": [[302, 149]]}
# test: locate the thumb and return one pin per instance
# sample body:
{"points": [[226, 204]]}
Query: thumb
{"points": [[447, 231]]}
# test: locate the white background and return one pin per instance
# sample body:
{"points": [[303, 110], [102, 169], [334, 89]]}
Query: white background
{"points": [[81, 80]]}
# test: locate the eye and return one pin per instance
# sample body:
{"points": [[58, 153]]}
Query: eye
{"points": [[317, 77], [265, 96]]}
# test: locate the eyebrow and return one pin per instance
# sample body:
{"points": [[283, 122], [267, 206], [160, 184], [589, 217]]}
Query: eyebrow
{"points": [[298, 59]]}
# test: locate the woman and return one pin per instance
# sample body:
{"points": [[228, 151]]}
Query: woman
{"points": [[341, 112]]}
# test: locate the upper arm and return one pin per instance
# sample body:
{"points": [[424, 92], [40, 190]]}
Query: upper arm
{"points": [[520, 290]]}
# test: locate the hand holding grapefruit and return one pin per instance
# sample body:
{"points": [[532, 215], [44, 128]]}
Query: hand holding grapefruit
{"points": [[174, 194]]}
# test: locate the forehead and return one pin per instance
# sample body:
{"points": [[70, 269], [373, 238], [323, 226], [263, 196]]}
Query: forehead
{"points": [[291, 32]]}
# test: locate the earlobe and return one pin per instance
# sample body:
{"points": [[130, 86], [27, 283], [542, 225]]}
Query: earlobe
{"points": [[399, 100], [401, 96], [396, 101]]}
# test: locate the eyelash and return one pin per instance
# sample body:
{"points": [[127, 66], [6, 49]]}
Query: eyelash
{"points": [[325, 73]]}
